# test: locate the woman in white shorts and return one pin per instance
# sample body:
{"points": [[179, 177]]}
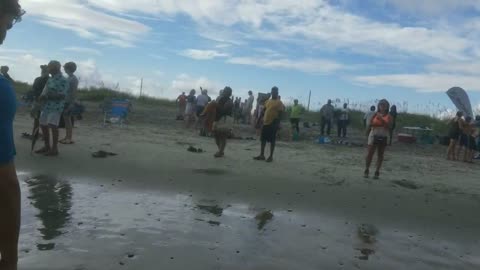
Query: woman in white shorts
{"points": [[378, 132]]}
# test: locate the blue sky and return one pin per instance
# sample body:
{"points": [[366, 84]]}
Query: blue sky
{"points": [[407, 51]]}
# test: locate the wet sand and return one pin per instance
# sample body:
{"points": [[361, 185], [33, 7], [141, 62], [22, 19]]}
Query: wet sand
{"points": [[157, 206]]}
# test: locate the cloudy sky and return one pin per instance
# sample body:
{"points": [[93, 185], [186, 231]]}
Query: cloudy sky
{"points": [[408, 51]]}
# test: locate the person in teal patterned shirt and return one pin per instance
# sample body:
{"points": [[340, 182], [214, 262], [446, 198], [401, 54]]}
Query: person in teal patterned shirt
{"points": [[54, 97]]}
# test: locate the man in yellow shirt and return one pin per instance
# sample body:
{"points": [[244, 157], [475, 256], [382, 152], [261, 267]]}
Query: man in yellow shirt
{"points": [[271, 121]]}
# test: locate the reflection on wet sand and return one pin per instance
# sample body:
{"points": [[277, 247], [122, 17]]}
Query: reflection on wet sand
{"points": [[53, 199], [112, 226]]}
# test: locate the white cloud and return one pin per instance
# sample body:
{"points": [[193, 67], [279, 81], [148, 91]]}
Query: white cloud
{"points": [[431, 7], [185, 82], [85, 21], [313, 21], [202, 54], [25, 67], [307, 65], [83, 50], [472, 68], [427, 82]]}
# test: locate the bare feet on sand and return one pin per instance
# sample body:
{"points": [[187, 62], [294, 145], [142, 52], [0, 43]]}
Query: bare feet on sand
{"points": [[52, 153], [43, 150]]}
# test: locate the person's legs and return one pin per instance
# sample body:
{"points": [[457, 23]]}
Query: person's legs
{"points": [[297, 126], [344, 133], [451, 149], [262, 150], [339, 128], [368, 160], [36, 125], [54, 150], [272, 150], [390, 137], [46, 139], [322, 124], [9, 217], [68, 128], [380, 158], [329, 127]]}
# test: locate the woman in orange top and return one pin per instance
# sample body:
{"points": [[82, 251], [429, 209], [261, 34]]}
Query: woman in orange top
{"points": [[379, 130]]}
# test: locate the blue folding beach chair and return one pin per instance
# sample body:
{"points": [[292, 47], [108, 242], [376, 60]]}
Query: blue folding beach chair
{"points": [[116, 111]]}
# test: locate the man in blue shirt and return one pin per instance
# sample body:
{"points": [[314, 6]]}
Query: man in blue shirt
{"points": [[10, 13], [53, 97]]}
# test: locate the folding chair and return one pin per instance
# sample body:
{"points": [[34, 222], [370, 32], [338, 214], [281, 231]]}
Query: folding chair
{"points": [[116, 111]]}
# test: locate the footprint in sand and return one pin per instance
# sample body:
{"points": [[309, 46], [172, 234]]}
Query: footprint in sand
{"points": [[211, 171], [406, 184]]}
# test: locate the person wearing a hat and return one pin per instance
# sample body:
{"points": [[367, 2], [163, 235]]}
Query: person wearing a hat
{"points": [[70, 69], [10, 13]]}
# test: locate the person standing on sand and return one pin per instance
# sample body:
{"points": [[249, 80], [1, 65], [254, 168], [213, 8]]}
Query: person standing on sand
{"points": [[223, 124], [182, 106], [295, 115], [37, 88], [70, 99], [4, 72], [378, 132], [202, 101], [393, 114], [10, 13], [326, 114], [454, 135], [368, 116], [343, 121], [467, 140], [190, 110], [54, 97], [271, 122], [248, 112]]}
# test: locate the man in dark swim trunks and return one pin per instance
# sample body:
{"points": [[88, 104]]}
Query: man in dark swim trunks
{"points": [[10, 13]]}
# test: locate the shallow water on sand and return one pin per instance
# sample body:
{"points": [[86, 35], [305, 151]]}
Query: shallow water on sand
{"points": [[68, 224]]}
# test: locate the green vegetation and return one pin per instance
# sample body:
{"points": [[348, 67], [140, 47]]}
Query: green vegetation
{"points": [[356, 117], [439, 126], [94, 94]]}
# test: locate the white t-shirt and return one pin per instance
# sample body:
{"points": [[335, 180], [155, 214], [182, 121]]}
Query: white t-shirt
{"points": [[202, 100], [344, 114]]}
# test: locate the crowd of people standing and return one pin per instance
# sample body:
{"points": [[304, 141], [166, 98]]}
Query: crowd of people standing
{"points": [[463, 135]]}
